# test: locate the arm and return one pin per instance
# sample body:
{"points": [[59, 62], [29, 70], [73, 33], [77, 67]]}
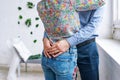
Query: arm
{"points": [[87, 30]]}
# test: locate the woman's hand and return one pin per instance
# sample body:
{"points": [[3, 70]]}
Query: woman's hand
{"points": [[58, 48], [47, 45]]}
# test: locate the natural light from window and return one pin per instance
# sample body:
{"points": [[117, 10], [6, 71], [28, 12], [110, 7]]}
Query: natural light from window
{"points": [[116, 10]]}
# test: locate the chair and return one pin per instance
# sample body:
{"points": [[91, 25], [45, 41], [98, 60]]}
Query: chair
{"points": [[34, 59], [15, 60], [20, 53], [25, 55]]}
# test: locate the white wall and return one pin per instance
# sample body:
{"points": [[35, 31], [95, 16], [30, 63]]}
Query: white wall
{"points": [[9, 28], [105, 29]]}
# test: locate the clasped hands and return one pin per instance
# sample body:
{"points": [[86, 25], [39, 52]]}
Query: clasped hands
{"points": [[54, 49]]}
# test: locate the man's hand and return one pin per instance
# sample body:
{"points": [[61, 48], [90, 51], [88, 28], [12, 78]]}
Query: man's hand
{"points": [[47, 45], [58, 48]]}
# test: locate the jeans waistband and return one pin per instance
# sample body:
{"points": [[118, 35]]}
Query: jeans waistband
{"points": [[86, 42]]}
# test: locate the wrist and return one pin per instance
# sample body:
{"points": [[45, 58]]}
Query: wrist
{"points": [[67, 43], [45, 39]]}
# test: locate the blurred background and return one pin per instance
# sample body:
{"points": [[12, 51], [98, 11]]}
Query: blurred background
{"points": [[19, 19]]}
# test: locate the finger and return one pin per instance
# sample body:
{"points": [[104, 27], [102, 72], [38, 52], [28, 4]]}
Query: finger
{"points": [[55, 55], [51, 48], [47, 54], [54, 51]]}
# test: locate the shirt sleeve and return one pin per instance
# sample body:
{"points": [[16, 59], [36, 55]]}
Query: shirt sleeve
{"points": [[45, 35], [88, 30]]}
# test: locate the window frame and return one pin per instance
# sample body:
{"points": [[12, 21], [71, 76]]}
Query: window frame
{"points": [[116, 12]]}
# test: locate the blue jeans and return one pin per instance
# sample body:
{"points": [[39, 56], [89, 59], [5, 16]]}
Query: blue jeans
{"points": [[61, 67], [88, 61]]}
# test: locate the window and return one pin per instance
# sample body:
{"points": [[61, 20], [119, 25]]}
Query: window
{"points": [[116, 19], [116, 11]]}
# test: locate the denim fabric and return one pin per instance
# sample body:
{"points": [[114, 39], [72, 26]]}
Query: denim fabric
{"points": [[88, 61], [61, 67]]}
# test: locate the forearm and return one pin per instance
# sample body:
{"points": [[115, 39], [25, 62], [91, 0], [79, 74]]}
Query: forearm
{"points": [[80, 37]]}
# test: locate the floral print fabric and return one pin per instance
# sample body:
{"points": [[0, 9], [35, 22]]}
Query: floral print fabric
{"points": [[84, 5], [59, 18]]}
